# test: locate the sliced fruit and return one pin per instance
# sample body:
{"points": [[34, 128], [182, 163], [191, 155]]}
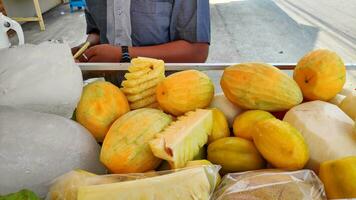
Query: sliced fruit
{"points": [[142, 87], [126, 146], [142, 79], [182, 140], [143, 102]]}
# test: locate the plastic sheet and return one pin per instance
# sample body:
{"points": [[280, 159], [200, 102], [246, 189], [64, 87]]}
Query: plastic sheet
{"points": [[271, 184], [41, 78], [188, 183]]}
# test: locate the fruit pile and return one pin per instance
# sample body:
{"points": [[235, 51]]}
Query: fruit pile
{"points": [[263, 120], [313, 134]]}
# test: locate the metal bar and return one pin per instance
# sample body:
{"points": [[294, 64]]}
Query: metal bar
{"points": [[184, 66]]}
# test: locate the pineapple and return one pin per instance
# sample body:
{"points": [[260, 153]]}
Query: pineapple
{"points": [[141, 82]]}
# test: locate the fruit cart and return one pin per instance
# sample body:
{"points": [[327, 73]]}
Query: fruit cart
{"points": [[190, 145], [114, 72]]}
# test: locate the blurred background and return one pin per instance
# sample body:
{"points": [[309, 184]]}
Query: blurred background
{"points": [[242, 30]]}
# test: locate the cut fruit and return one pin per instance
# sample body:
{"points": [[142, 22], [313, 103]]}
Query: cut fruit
{"points": [[100, 105], [143, 102], [126, 146], [142, 79], [139, 96], [326, 129], [185, 91], [167, 187], [182, 140]]}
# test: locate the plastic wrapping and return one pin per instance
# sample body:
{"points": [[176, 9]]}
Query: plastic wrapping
{"points": [[42, 78], [188, 183], [271, 184]]}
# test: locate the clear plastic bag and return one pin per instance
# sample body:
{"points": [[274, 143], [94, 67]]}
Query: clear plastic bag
{"points": [[270, 184], [188, 183]]}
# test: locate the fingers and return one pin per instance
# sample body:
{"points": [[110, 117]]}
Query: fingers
{"points": [[95, 59], [87, 55], [74, 50]]}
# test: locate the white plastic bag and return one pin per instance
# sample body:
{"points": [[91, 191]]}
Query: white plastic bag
{"points": [[271, 184], [41, 78], [187, 183]]}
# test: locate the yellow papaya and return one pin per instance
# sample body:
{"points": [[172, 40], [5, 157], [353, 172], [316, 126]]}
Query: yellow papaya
{"points": [[185, 91], [235, 155], [260, 86], [321, 74], [100, 105], [220, 126], [244, 123], [339, 177], [280, 144], [126, 145]]}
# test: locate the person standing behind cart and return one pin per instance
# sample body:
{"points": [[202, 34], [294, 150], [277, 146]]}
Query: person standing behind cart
{"points": [[171, 30]]}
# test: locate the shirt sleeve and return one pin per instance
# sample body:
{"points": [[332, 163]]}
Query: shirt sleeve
{"points": [[91, 25], [190, 21]]}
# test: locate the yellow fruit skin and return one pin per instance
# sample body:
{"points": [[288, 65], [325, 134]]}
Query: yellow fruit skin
{"points": [[348, 105], [280, 144], [185, 91], [220, 126], [100, 105], [198, 163], [260, 86], [339, 178], [235, 155], [244, 123], [321, 74], [126, 145]]}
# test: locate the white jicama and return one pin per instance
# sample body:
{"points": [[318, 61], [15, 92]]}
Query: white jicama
{"points": [[230, 110], [327, 130], [41, 78], [37, 147]]}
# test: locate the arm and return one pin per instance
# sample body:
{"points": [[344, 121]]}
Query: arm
{"points": [[176, 51]]}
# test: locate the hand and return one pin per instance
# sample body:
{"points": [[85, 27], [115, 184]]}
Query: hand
{"points": [[101, 53], [75, 49]]}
